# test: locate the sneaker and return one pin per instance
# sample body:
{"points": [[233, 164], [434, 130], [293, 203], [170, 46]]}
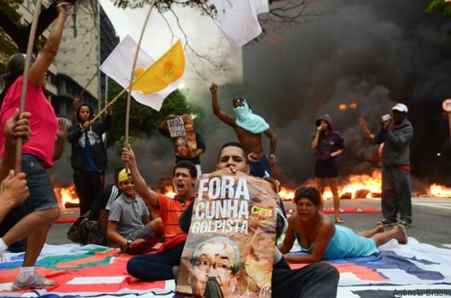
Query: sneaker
{"points": [[34, 281], [387, 222]]}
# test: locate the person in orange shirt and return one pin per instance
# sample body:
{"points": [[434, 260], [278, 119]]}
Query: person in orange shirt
{"points": [[159, 266]]}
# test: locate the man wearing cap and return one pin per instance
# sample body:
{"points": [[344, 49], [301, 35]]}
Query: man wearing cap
{"points": [[128, 221], [159, 266], [396, 135], [249, 128]]}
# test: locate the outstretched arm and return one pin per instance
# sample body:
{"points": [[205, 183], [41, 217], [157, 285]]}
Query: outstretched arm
{"points": [[323, 237], [61, 135], [17, 126], [13, 191], [46, 56], [216, 109], [288, 241], [128, 157], [273, 141]]}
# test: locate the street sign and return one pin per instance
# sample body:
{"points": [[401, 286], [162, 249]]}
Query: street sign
{"points": [[446, 105]]}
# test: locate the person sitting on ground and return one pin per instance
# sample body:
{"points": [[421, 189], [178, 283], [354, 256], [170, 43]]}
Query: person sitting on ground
{"points": [[321, 239], [249, 128], [89, 155], [129, 225], [36, 214], [316, 280], [91, 227], [159, 266]]}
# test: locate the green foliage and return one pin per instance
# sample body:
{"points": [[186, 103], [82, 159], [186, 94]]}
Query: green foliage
{"points": [[9, 9], [144, 120], [439, 6]]}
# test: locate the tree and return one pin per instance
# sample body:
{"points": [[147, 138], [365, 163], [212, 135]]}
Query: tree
{"points": [[144, 120], [17, 32], [441, 6], [283, 11]]}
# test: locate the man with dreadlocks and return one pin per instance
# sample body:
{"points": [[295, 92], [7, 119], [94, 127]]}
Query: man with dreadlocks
{"points": [[249, 128]]}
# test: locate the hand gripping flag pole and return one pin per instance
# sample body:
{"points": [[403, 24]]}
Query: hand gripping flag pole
{"points": [[23, 95]]}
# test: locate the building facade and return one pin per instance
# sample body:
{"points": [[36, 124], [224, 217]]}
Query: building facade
{"points": [[88, 39]]}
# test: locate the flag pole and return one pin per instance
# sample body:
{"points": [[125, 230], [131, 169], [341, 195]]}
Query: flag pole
{"points": [[23, 95], [132, 75]]}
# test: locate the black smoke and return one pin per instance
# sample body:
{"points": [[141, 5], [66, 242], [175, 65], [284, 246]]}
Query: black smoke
{"points": [[370, 52]]}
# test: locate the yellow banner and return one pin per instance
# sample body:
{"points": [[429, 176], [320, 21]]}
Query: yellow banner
{"points": [[166, 70]]}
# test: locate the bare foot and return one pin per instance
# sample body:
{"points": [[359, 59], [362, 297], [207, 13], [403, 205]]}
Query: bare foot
{"points": [[401, 234], [339, 220], [379, 229]]}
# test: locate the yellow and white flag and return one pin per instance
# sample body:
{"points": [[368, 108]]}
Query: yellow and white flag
{"points": [[153, 80]]}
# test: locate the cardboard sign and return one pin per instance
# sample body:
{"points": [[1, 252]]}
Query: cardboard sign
{"points": [[176, 127], [230, 247], [181, 130]]}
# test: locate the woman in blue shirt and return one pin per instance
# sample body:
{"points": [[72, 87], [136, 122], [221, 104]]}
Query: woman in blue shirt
{"points": [[321, 239]]}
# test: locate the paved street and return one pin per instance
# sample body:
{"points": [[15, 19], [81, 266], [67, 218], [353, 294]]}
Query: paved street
{"points": [[432, 220]]}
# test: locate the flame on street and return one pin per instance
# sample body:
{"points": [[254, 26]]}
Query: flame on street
{"points": [[66, 195], [440, 191]]}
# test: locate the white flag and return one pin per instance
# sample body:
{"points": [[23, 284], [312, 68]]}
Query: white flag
{"points": [[118, 67], [261, 6], [238, 20]]}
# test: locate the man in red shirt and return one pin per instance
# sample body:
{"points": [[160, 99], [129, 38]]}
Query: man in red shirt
{"points": [[158, 266]]}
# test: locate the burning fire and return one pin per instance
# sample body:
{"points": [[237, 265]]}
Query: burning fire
{"points": [[168, 190], [286, 194], [66, 196], [342, 107], [358, 186], [440, 191]]}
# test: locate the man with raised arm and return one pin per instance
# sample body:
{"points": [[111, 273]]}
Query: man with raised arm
{"points": [[249, 128], [159, 266]]}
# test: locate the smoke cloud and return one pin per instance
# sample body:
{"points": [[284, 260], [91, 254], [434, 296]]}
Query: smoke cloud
{"points": [[372, 53]]}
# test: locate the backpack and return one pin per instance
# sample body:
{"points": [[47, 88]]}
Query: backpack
{"points": [[86, 231]]}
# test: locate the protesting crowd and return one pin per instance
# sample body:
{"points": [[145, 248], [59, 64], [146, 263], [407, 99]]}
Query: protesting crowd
{"points": [[164, 234]]}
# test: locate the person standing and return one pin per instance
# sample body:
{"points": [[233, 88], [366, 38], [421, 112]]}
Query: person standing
{"points": [[89, 156], [328, 145], [249, 128], [40, 210], [396, 134]]}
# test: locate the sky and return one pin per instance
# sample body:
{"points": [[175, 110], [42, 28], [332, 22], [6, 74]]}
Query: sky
{"points": [[202, 34]]}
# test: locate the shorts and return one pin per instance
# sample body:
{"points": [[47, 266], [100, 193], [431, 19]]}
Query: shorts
{"points": [[41, 190], [41, 193], [326, 168]]}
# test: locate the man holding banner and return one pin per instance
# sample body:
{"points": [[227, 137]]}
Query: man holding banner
{"points": [[234, 211], [159, 266]]}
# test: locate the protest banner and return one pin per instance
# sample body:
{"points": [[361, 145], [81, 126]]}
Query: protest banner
{"points": [[230, 247], [180, 128]]}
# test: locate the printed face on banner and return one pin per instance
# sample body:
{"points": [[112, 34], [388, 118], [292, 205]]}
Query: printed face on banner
{"points": [[234, 217]]}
